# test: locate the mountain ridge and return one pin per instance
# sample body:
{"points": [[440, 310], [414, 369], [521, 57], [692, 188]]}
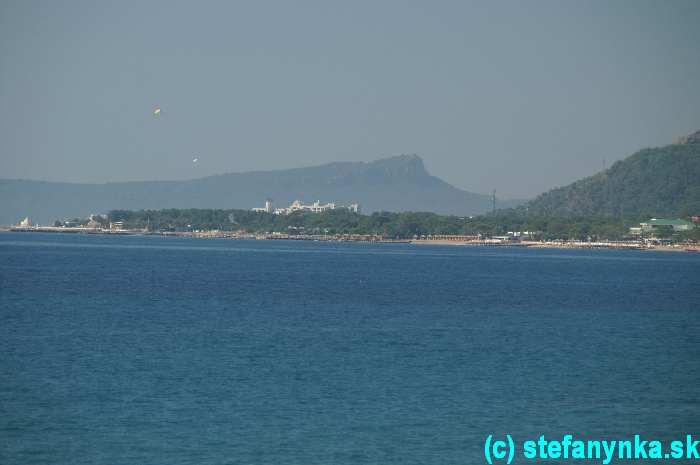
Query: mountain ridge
{"points": [[333, 164], [399, 183]]}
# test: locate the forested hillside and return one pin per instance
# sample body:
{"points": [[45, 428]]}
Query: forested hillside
{"points": [[662, 181]]}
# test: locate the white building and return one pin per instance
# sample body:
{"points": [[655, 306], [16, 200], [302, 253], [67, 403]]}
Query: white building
{"points": [[268, 208], [297, 205], [318, 208]]}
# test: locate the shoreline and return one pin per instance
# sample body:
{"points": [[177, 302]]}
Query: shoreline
{"points": [[614, 245], [565, 245]]}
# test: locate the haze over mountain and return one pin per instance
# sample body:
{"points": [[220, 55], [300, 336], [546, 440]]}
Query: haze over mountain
{"points": [[514, 96], [393, 184], [663, 181]]}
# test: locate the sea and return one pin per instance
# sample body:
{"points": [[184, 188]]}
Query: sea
{"points": [[162, 350]]}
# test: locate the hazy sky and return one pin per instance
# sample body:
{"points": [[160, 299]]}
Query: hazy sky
{"points": [[516, 96]]}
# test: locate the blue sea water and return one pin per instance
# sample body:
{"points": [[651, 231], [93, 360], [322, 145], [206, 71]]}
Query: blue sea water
{"points": [[152, 350]]}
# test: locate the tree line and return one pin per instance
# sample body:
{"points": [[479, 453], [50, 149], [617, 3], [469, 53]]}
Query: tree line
{"points": [[403, 225]]}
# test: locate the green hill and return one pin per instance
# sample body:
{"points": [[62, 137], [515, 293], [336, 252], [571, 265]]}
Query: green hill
{"points": [[662, 181]]}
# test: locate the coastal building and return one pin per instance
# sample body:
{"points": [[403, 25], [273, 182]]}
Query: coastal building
{"points": [[74, 223], [318, 208], [524, 235], [297, 206], [448, 237], [26, 223], [93, 222], [268, 208], [656, 223]]}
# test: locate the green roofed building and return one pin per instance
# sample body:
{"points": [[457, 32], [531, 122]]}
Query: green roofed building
{"points": [[677, 224]]}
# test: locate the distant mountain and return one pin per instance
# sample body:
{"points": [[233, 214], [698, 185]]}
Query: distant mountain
{"points": [[393, 184], [662, 181]]}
